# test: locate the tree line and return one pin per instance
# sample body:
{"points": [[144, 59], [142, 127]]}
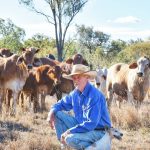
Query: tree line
{"points": [[96, 46]]}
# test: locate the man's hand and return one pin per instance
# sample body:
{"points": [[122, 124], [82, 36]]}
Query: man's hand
{"points": [[51, 118], [63, 136]]}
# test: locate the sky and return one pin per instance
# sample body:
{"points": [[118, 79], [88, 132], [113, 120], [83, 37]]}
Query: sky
{"points": [[121, 19]]}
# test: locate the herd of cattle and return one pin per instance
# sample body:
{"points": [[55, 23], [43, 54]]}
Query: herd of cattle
{"points": [[29, 77]]}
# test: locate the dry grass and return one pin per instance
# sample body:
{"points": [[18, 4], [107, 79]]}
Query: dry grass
{"points": [[28, 131]]}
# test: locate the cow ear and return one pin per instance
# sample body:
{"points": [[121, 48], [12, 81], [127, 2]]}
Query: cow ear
{"points": [[19, 60], [84, 62], [23, 49], [133, 65], [37, 50]]}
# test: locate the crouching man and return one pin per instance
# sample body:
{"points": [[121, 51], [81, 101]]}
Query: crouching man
{"points": [[91, 117]]}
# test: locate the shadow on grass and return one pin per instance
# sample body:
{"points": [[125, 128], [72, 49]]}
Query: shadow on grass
{"points": [[7, 130]]}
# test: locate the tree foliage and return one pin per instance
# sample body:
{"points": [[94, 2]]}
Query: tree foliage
{"points": [[43, 42], [60, 13], [115, 47], [134, 51], [91, 39], [11, 36]]}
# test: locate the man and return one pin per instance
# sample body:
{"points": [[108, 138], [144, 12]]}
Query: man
{"points": [[91, 117]]}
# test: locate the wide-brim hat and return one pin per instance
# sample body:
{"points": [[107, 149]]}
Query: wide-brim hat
{"points": [[80, 69]]}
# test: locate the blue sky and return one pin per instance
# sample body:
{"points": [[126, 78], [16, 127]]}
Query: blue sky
{"points": [[122, 19]]}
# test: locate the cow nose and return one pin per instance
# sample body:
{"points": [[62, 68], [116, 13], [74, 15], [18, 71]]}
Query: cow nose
{"points": [[30, 66], [140, 74]]}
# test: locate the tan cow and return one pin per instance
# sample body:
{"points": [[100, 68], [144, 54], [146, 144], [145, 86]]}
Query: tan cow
{"points": [[14, 72], [129, 82]]}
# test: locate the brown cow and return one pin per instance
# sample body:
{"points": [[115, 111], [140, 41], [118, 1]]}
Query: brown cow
{"points": [[4, 52], [47, 61], [129, 82], [66, 86], [14, 72], [77, 59], [41, 81]]}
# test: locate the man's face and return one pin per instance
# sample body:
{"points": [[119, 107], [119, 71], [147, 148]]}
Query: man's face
{"points": [[79, 80]]}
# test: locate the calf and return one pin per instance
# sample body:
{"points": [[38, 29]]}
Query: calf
{"points": [[14, 72], [41, 81], [129, 82], [66, 86]]}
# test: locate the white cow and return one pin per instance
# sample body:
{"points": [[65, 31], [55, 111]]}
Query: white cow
{"points": [[101, 79], [129, 82]]}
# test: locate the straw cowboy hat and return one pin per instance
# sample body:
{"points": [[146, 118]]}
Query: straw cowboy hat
{"points": [[80, 69]]}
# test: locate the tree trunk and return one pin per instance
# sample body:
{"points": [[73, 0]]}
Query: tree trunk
{"points": [[60, 52]]}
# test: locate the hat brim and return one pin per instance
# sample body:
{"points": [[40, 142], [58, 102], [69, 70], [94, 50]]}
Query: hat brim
{"points": [[91, 74]]}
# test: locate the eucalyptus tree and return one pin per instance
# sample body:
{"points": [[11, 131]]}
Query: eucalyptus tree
{"points": [[11, 36], [115, 47], [90, 38], [59, 13]]}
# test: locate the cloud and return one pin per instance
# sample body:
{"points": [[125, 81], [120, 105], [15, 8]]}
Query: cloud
{"points": [[124, 33], [128, 19]]}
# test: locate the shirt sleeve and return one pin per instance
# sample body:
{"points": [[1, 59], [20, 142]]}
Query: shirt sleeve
{"points": [[64, 104], [93, 115]]}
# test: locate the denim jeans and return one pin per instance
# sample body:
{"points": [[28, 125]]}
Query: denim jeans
{"points": [[77, 141]]}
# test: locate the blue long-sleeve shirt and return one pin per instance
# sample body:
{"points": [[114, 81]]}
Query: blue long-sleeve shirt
{"points": [[89, 108]]}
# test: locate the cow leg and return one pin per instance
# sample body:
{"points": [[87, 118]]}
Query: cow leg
{"points": [[35, 100], [1, 96], [15, 97], [4, 96], [22, 95], [43, 107], [8, 99], [109, 98], [130, 98]]}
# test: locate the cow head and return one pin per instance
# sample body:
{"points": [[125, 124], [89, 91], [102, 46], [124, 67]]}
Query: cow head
{"points": [[5, 52], [101, 75], [51, 56], [55, 74], [143, 63], [27, 57]]}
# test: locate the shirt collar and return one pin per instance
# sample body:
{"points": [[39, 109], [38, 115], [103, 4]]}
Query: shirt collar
{"points": [[86, 89]]}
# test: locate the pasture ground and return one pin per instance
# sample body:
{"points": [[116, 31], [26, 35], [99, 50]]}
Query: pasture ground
{"points": [[29, 131]]}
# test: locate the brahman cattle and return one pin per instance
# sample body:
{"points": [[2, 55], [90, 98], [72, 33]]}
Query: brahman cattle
{"points": [[46, 61], [77, 59], [101, 79], [41, 82], [51, 56], [129, 82], [4, 52], [14, 72], [65, 87]]}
